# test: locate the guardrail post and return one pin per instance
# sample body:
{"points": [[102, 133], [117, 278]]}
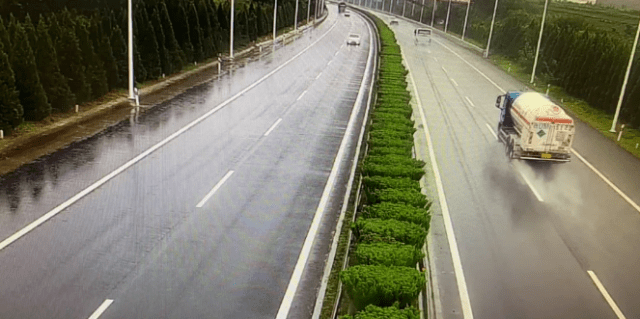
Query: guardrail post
{"points": [[2, 136], [76, 108]]}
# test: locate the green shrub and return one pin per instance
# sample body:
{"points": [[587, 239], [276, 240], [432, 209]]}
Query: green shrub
{"points": [[407, 196], [400, 169], [381, 182], [382, 285], [384, 150], [391, 142], [395, 160], [393, 312], [390, 134], [398, 211], [388, 254], [400, 127], [371, 230]]}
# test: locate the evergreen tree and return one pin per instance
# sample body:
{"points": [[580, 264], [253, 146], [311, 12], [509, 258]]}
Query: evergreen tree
{"points": [[31, 94], [10, 108], [94, 68], [223, 13], [119, 48], [180, 24], [139, 71], [54, 83], [149, 50], [30, 30], [178, 57], [111, 68], [208, 44], [195, 31], [70, 58], [4, 38], [165, 60]]}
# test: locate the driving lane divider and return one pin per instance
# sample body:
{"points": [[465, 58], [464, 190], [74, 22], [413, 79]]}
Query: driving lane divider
{"points": [[273, 127], [103, 307], [606, 295], [215, 189]]}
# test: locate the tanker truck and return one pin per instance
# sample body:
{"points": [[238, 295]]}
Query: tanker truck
{"points": [[532, 127]]}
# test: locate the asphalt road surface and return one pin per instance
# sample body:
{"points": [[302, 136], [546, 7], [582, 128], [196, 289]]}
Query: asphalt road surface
{"points": [[199, 207], [533, 238]]}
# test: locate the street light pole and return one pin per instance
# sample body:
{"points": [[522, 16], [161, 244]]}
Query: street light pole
{"points": [[466, 16], [495, 8], [413, 6], [433, 13], [130, 48], [308, 10], [404, 4], [275, 16], [231, 30], [446, 24], [624, 84], [295, 20], [535, 61], [422, 11]]}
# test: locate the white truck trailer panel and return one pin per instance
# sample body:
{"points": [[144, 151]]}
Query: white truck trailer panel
{"points": [[543, 125]]}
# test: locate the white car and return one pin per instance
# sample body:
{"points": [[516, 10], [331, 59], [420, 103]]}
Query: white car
{"points": [[353, 39]]}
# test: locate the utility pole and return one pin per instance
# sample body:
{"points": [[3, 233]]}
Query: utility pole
{"points": [[446, 24], [422, 11], [466, 16], [295, 19], [433, 13], [132, 95], [231, 31], [624, 84], [275, 16], [404, 4], [495, 8], [535, 61]]}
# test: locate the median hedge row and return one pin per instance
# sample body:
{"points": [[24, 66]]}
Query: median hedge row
{"points": [[394, 220]]}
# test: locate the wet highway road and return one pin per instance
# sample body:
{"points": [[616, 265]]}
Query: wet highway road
{"points": [[527, 233], [210, 224]]}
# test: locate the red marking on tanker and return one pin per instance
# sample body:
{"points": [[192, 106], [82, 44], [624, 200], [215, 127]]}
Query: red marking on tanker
{"points": [[554, 120], [517, 112]]}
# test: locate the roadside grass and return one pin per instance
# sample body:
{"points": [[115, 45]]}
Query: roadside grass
{"points": [[578, 108]]}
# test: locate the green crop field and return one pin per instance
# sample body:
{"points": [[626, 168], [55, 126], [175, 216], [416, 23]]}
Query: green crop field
{"points": [[623, 22]]}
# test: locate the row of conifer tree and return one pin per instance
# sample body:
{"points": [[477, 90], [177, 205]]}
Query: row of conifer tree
{"points": [[51, 62]]}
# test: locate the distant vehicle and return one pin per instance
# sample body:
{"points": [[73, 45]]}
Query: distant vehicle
{"points": [[342, 7], [421, 34], [347, 14], [394, 22], [533, 127], [353, 39]]}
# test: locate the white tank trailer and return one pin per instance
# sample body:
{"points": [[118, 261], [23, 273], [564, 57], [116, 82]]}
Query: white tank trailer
{"points": [[532, 127]]}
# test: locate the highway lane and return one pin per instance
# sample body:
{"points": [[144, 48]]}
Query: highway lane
{"points": [[527, 233], [210, 224]]}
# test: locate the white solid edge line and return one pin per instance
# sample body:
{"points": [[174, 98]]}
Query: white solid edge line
{"points": [[214, 189], [535, 192], [473, 67], [606, 295], [8, 241], [272, 127], [491, 130], [606, 180], [96, 314], [301, 95], [453, 245], [454, 82], [469, 100], [287, 300]]}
